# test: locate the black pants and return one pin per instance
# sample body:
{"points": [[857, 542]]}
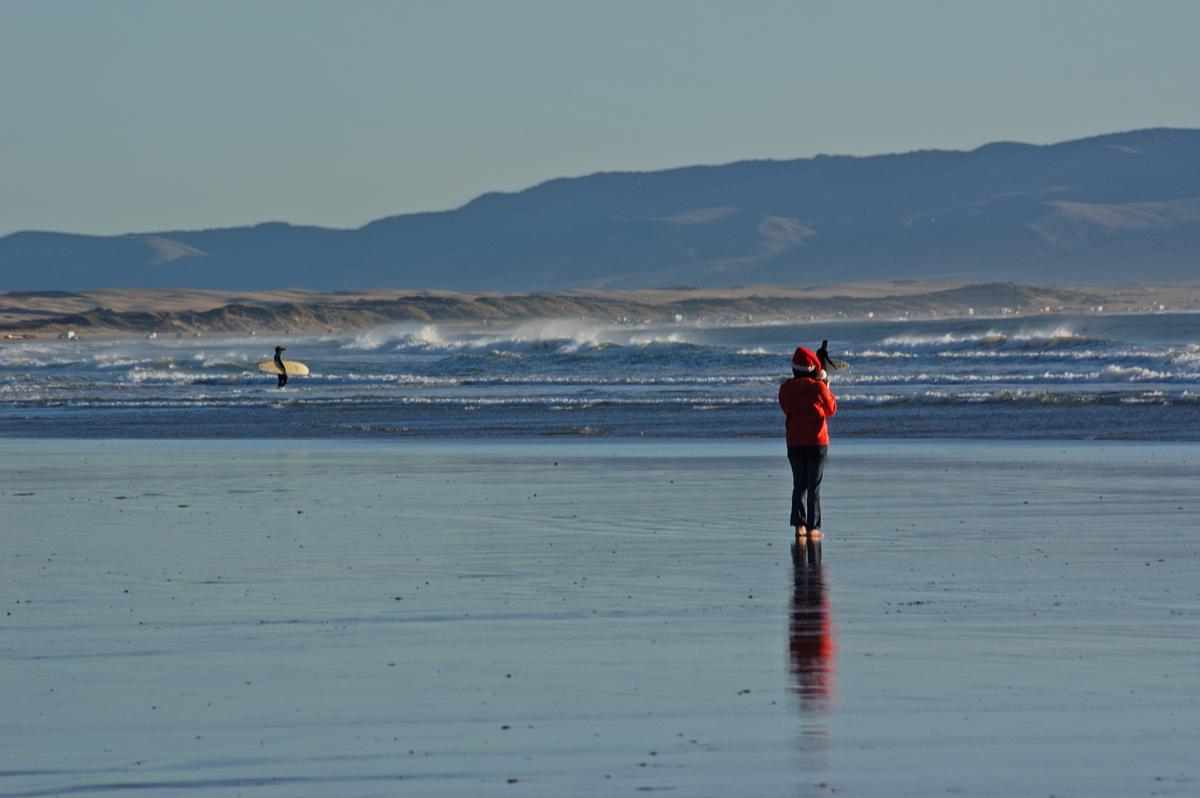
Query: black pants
{"points": [[808, 466]]}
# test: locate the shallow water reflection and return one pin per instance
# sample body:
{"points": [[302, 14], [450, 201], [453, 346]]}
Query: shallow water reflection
{"points": [[812, 643]]}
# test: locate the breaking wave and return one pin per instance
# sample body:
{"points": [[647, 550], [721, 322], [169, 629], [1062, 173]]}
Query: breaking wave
{"points": [[1059, 336], [558, 336]]}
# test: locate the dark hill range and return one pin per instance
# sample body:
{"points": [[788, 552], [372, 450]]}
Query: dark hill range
{"points": [[1117, 208]]}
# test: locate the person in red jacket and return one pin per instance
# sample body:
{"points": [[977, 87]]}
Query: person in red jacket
{"points": [[807, 401]]}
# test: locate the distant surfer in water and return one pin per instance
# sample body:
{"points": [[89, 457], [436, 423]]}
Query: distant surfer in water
{"points": [[806, 402], [279, 350], [828, 363]]}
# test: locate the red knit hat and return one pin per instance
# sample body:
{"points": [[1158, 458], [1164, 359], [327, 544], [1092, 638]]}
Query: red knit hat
{"points": [[806, 360]]}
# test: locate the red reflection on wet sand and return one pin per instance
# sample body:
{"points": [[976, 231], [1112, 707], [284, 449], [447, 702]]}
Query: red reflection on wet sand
{"points": [[812, 645]]}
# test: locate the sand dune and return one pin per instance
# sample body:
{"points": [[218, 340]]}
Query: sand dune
{"points": [[184, 311]]}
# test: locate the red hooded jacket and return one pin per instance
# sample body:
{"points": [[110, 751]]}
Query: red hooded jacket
{"points": [[806, 403]]}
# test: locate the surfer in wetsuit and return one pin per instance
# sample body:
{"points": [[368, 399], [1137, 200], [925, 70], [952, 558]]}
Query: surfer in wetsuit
{"points": [[806, 402], [828, 363], [279, 350]]}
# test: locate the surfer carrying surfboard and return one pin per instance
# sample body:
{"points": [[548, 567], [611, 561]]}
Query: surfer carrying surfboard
{"points": [[283, 368], [279, 350], [806, 402]]}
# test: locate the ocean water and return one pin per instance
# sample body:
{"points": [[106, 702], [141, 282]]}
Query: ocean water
{"points": [[1132, 377]]}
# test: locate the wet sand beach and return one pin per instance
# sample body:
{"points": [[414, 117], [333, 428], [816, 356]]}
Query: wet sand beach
{"points": [[596, 618]]}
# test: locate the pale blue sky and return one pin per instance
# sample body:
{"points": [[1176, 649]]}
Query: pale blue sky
{"points": [[134, 116]]}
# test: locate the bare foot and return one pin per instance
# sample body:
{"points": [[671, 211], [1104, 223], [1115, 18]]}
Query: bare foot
{"points": [[801, 532], [815, 534]]}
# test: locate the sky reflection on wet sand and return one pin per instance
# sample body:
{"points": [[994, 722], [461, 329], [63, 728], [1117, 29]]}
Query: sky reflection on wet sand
{"points": [[596, 618]]}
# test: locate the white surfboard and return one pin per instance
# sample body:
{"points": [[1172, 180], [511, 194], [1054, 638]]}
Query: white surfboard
{"points": [[294, 367]]}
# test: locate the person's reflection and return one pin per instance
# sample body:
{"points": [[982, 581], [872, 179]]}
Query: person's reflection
{"points": [[812, 646]]}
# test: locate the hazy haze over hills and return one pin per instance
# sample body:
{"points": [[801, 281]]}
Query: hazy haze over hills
{"points": [[1117, 208]]}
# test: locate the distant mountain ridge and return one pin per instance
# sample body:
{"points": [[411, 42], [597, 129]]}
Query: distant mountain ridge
{"points": [[1123, 207]]}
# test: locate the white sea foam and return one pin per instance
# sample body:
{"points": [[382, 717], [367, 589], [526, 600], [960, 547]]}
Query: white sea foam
{"points": [[871, 398], [879, 354], [378, 337], [563, 335], [1026, 338], [1134, 373], [1146, 397], [400, 379], [118, 359], [555, 336], [1059, 333], [646, 340], [227, 360], [991, 336], [140, 375], [1188, 355]]}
